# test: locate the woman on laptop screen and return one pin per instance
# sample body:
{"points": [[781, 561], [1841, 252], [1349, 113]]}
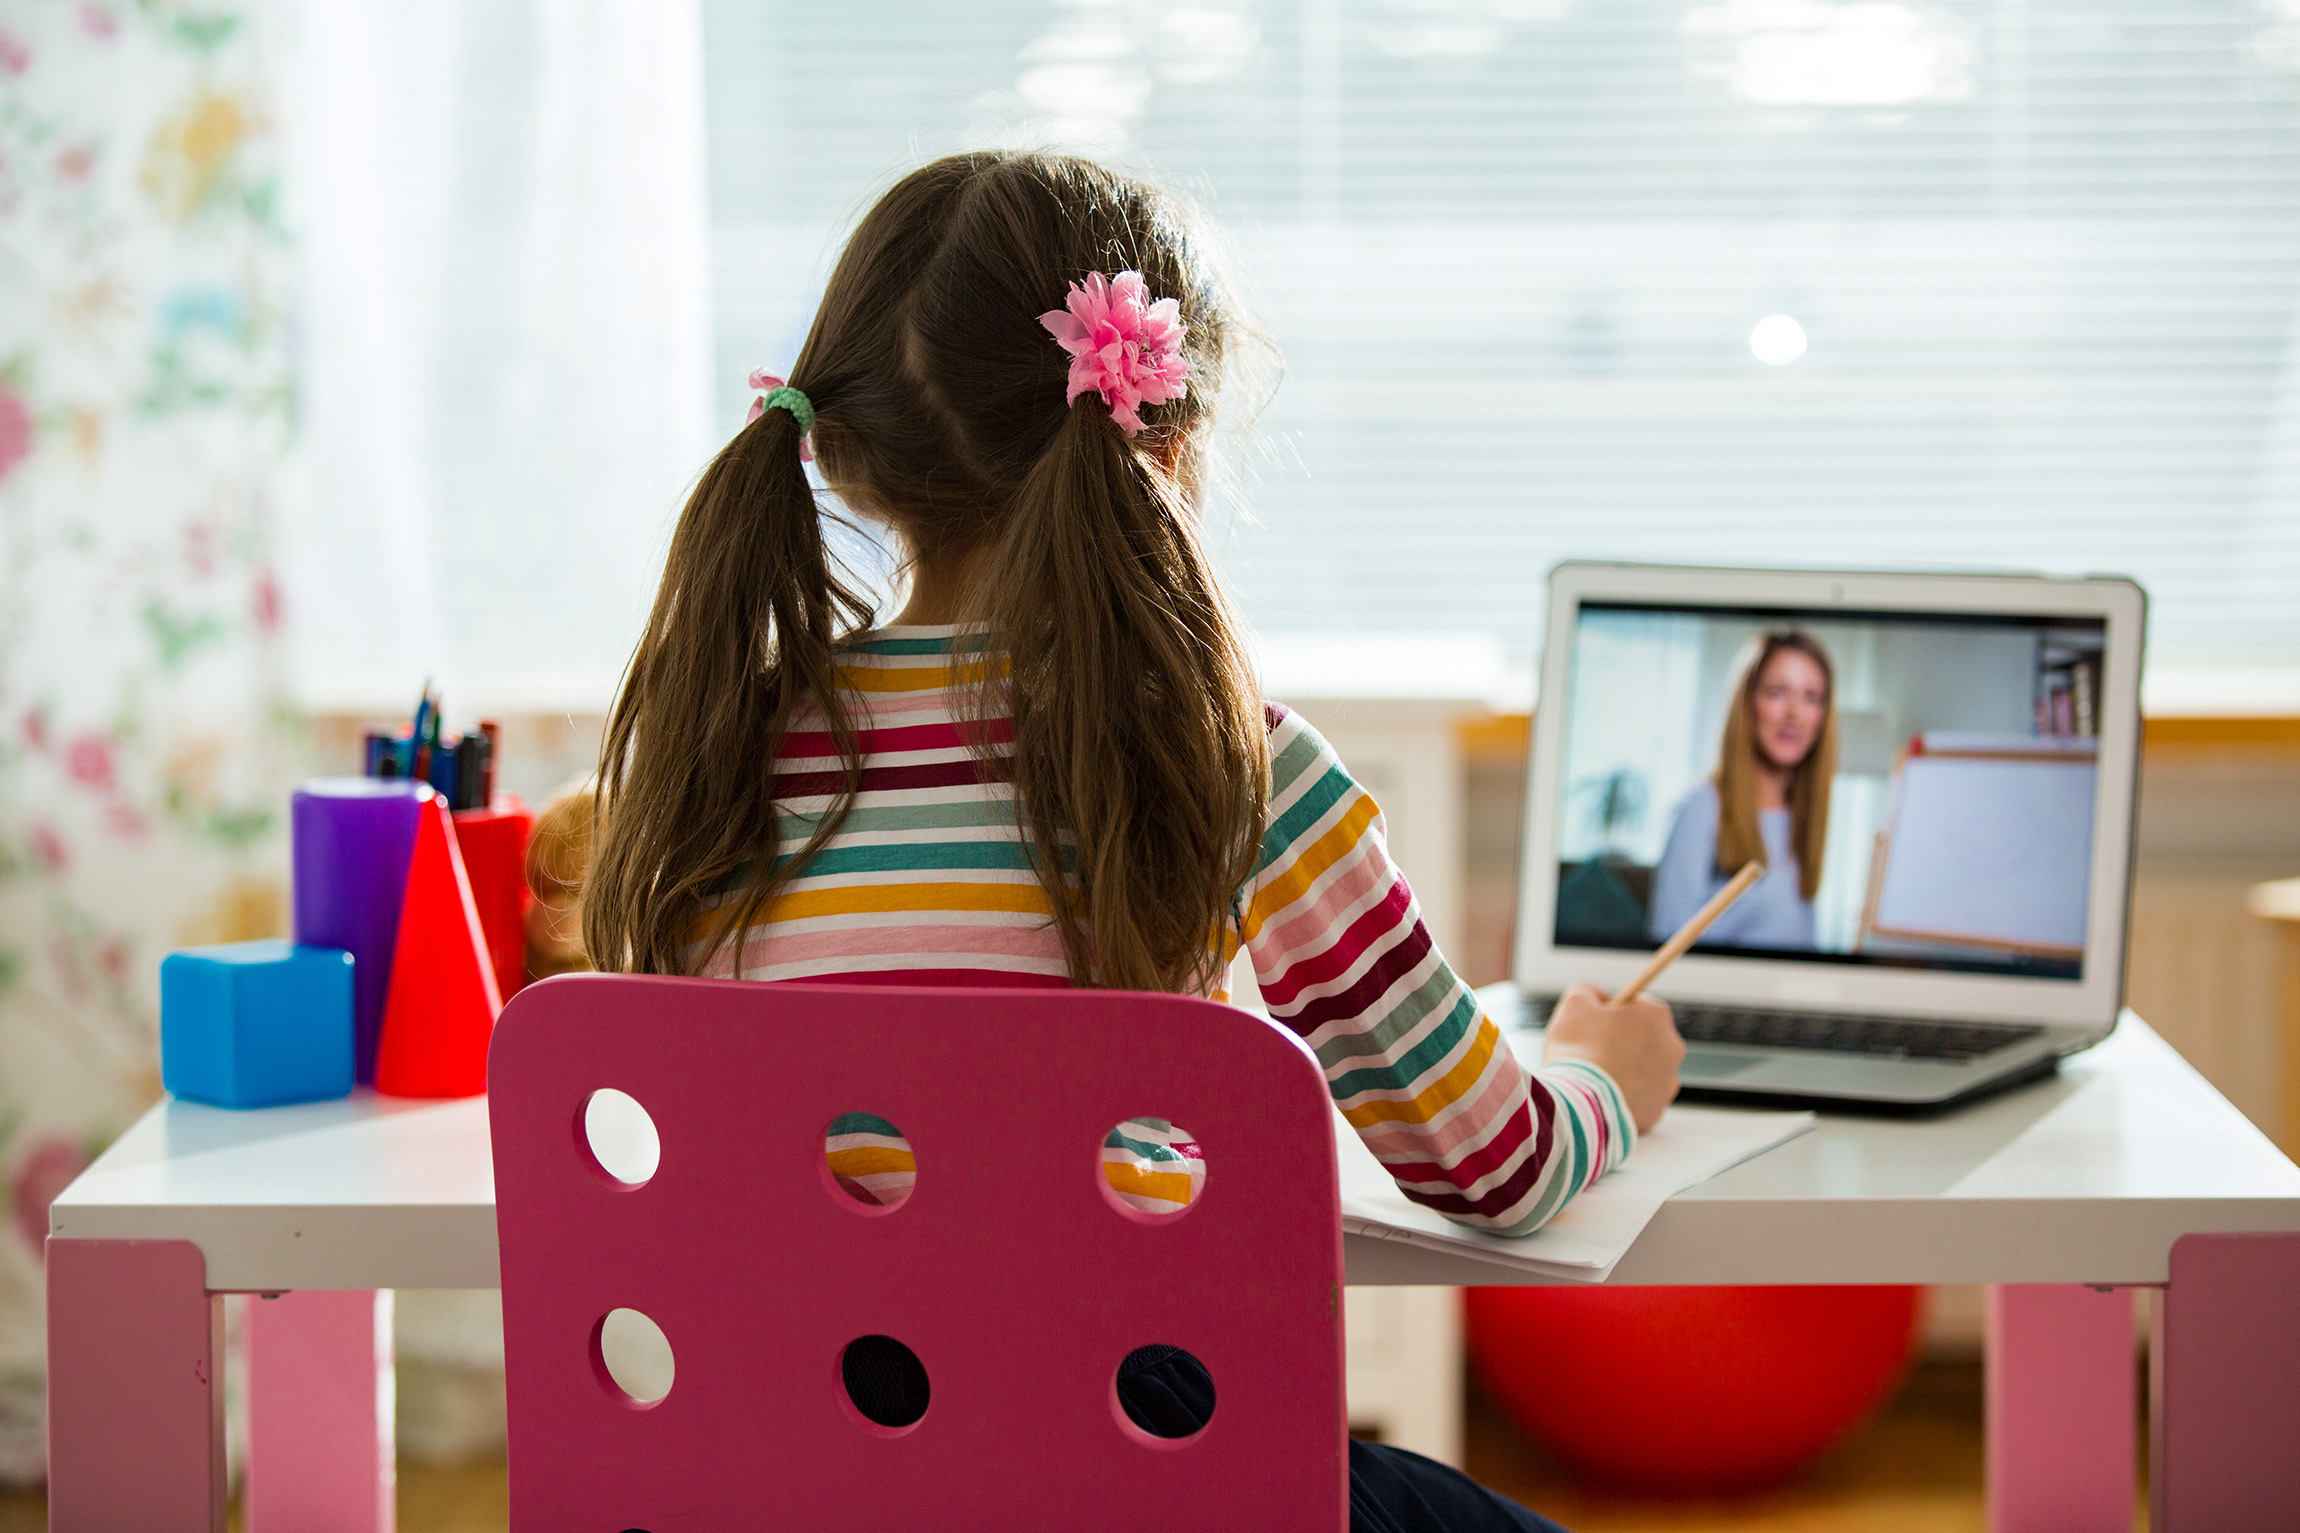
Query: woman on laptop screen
{"points": [[1767, 801]]}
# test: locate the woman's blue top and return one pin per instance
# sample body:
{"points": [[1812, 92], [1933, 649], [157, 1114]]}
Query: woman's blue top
{"points": [[1771, 914]]}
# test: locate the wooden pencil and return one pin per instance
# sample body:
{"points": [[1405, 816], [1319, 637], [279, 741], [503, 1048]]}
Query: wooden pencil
{"points": [[1688, 934]]}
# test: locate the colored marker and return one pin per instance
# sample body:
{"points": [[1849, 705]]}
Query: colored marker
{"points": [[492, 733]]}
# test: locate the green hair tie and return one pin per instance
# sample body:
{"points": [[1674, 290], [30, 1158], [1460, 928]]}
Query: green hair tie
{"points": [[781, 396], [787, 398]]}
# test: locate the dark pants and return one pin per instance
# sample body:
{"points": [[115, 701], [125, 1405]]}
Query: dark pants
{"points": [[1391, 1490]]}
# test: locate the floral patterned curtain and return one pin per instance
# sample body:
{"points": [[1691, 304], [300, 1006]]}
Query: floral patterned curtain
{"points": [[146, 417]]}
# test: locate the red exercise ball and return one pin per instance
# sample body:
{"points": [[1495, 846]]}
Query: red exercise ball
{"points": [[1689, 1389]]}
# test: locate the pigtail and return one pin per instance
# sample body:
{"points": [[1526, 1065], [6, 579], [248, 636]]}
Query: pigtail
{"points": [[742, 638], [1140, 753]]}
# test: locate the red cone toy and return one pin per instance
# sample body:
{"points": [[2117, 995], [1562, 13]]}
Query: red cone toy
{"points": [[443, 1000]]}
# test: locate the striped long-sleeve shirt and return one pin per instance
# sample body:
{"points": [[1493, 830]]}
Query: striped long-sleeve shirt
{"points": [[929, 881]]}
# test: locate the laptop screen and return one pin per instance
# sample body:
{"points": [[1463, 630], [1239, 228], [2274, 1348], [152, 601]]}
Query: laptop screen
{"points": [[1921, 788]]}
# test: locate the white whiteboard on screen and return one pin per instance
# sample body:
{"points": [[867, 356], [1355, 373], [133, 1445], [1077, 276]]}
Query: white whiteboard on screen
{"points": [[1989, 850]]}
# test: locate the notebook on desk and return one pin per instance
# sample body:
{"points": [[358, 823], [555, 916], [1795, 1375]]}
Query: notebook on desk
{"points": [[1937, 770]]}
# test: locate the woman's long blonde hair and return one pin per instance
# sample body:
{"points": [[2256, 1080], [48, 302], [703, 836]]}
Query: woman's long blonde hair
{"points": [[1738, 839], [1140, 755]]}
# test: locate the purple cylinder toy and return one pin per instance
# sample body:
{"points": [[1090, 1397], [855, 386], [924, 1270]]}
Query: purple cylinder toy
{"points": [[353, 838]]}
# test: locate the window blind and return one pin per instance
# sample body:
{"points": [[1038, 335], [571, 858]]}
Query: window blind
{"points": [[1989, 284]]}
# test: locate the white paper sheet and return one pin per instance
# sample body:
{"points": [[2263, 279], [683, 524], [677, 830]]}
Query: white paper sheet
{"points": [[1687, 1147]]}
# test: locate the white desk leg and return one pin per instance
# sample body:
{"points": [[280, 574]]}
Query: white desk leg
{"points": [[135, 1388], [320, 1397], [2062, 1409], [2224, 1386]]}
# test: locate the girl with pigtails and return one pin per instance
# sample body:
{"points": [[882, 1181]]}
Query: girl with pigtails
{"points": [[1053, 766]]}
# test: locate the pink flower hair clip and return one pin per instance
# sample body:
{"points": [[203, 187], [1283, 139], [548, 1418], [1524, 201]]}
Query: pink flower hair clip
{"points": [[781, 396], [1122, 346]]}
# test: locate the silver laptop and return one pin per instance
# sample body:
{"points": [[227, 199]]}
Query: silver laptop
{"points": [[1937, 772]]}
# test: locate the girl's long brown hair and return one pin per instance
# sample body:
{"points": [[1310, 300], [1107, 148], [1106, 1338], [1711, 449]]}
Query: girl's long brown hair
{"points": [[1140, 757], [1738, 839]]}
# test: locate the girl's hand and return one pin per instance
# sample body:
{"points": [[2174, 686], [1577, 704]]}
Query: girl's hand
{"points": [[1636, 1044]]}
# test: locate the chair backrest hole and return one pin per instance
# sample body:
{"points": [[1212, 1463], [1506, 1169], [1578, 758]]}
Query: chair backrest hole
{"points": [[1152, 1169], [634, 1354], [1165, 1392], [884, 1380], [621, 1136], [868, 1162]]}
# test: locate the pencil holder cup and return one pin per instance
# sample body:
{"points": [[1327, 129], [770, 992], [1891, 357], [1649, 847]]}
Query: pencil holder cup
{"points": [[256, 1024], [494, 846]]}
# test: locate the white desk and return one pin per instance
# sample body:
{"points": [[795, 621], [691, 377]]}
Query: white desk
{"points": [[2091, 1178], [2086, 1178]]}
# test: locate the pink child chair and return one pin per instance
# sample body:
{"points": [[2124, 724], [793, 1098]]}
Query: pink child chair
{"points": [[1014, 1275]]}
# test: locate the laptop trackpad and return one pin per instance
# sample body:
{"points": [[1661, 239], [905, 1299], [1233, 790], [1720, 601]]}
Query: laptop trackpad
{"points": [[1702, 1065]]}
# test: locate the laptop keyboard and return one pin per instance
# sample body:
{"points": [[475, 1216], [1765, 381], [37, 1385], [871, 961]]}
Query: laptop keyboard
{"points": [[1894, 1037]]}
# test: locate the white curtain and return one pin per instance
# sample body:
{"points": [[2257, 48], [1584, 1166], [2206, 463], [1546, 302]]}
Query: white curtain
{"points": [[505, 357]]}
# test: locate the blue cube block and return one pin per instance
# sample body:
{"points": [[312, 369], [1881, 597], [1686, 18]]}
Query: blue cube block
{"points": [[255, 1024]]}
